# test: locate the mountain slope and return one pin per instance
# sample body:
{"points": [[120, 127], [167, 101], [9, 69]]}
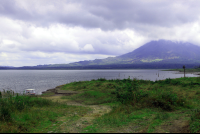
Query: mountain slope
{"points": [[161, 51], [164, 50]]}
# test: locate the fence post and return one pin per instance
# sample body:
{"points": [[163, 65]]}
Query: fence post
{"points": [[184, 70]]}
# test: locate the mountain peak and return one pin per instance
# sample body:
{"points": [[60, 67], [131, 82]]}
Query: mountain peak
{"points": [[162, 51]]}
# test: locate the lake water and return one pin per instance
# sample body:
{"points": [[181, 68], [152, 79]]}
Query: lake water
{"points": [[41, 80]]}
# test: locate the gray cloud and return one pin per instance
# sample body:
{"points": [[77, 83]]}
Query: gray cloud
{"points": [[64, 31], [107, 15]]}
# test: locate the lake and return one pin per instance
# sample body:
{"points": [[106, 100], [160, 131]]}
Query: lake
{"points": [[41, 80]]}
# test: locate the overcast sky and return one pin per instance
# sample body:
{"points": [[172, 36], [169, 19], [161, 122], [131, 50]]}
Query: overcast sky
{"points": [[37, 32]]}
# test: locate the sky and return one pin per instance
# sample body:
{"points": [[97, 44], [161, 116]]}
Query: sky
{"points": [[42, 32]]}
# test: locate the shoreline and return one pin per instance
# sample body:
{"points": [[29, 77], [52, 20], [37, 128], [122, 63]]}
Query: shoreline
{"points": [[58, 91], [195, 73]]}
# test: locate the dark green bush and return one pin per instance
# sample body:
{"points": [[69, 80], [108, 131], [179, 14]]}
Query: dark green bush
{"points": [[184, 84], [117, 80], [174, 82], [159, 103], [167, 81], [5, 111], [155, 97], [126, 80], [165, 100], [101, 79], [19, 102], [170, 97], [139, 95], [125, 92]]}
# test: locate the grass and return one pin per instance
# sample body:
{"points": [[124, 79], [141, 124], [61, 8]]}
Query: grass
{"points": [[137, 106], [33, 114], [164, 98]]}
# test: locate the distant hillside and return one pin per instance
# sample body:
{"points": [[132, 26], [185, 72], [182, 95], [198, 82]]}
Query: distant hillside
{"points": [[154, 54], [161, 51], [166, 52]]}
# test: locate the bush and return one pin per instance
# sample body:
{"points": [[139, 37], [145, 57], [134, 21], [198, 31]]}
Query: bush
{"points": [[167, 81], [170, 97], [5, 111], [117, 81], [139, 95], [166, 100], [101, 79], [19, 102], [174, 82], [125, 92]]}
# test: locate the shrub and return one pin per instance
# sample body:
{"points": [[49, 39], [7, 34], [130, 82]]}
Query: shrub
{"points": [[19, 102], [167, 81], [125, 92], [117, 81], [184, 85], [5, 111], [155, 102], [174, 82], [166, 100], [101, 79], [170, 97]]}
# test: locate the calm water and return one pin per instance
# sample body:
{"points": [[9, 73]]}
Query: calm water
{"points": [[41, 80]]}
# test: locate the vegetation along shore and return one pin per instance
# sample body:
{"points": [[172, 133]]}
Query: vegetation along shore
{"points": [[170, 105], [195, 70]]}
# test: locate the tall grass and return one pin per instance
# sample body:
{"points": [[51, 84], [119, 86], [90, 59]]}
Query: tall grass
{"points": [[21, 113], [11, 103]]}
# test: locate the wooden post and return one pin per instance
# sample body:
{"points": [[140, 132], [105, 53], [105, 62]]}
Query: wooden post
{"points": [[184, 70]]}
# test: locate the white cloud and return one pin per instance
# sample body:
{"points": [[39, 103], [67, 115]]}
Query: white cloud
{"points": [[88, 48]]}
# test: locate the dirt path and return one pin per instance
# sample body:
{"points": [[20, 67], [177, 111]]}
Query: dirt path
{"points": [[85, 120]]}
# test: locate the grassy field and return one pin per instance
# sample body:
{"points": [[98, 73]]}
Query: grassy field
{"points": [[170, 105]]}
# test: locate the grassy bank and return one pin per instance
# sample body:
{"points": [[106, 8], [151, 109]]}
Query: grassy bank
{"points": [[160, 106], [170, 105]]}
